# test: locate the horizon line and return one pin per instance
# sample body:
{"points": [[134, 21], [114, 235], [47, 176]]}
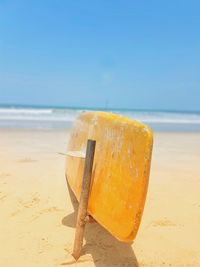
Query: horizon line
{"points": [[43, 106]]}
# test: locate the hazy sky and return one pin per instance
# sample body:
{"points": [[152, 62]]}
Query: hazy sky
{"points": [[130, 54]]}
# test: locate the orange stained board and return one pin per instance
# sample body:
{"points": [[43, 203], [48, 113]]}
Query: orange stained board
{"points": [[120, 171]]}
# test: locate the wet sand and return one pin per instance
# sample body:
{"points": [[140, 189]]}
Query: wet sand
{"points": [[37, 217]]}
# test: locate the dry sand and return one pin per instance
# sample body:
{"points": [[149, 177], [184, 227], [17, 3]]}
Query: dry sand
{"points": [[37, 219]]}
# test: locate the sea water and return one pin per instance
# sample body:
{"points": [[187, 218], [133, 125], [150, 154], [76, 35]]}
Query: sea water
{"points": [[30, 117]]}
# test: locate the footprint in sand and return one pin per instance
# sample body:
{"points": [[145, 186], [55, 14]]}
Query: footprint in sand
{"points": [[47, 210], [51, 209], [196, 204], [13, 214], [43, 245], [26, 160], [4, 174], [35, 199], [163, 222], [2, 196]]}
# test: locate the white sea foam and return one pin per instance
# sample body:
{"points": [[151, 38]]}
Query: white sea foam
{"points": [[33, 114], [165, 117], [56, 116], [25, 111]]}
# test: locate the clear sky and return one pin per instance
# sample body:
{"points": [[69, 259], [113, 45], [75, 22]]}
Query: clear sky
{"points": [[125, 54]]}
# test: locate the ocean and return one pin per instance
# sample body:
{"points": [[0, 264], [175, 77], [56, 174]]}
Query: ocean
{"points": [[29, 117]]}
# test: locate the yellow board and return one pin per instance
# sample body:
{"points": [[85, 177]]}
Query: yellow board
{"points": [[120, 171]]}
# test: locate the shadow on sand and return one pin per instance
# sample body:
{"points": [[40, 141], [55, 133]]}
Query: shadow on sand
{"points": [[103, 247]]}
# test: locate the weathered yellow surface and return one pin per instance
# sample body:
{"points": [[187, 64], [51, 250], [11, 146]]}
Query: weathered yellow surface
{"points": [[120, 171]]}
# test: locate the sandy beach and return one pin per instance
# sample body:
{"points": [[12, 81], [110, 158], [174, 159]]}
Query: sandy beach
{"points": [[37, 217]]}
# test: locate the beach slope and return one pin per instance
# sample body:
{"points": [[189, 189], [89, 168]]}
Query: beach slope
{"points": [[38, 219]]}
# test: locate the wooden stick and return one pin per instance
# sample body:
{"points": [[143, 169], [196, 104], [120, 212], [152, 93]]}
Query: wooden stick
{"points": [[83, 204]]}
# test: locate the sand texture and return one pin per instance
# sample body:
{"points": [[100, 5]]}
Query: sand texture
{"points": [[37, 217]]}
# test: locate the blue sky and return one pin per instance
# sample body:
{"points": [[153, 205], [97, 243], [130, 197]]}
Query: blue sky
{"points": [[128, 54]]}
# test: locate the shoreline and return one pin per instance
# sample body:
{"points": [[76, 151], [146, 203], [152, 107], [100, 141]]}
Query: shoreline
{"points": [[50, 118], [158, 128], [67, 130]]}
